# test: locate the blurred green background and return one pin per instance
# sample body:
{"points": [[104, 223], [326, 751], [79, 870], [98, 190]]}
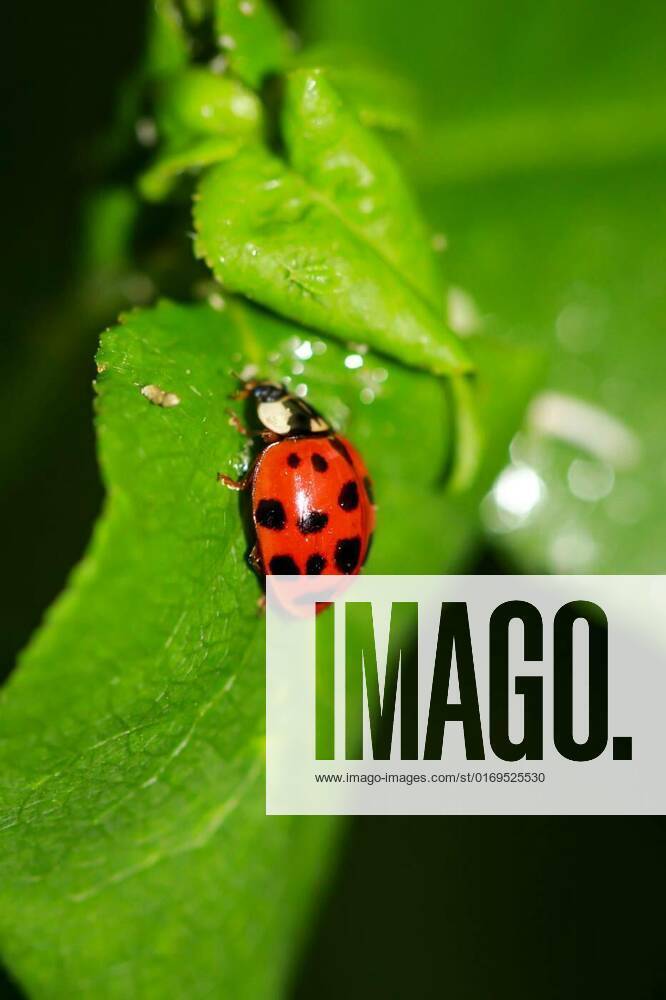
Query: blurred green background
{"points": [[541, 162]]}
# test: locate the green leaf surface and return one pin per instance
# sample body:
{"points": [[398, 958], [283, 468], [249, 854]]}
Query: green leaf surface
{"points": [[167, 49], [135, 856], [335, 154], [198, 102], [323, 246], [264, 232], [158, 181], [255, 41], [381, 99], [202, 118], [329, 147]]}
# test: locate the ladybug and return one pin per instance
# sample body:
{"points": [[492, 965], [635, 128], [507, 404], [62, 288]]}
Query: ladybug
{"points": [[311, 497]]}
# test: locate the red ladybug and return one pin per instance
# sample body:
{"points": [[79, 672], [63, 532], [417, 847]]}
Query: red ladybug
{"points": [[312, 506]]}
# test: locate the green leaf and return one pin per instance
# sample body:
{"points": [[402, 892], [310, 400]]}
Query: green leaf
{"points": [[323, 247], [133, 842], [158, 181], [336, 155], [382, 100], [167, 47], [254, 39], [333, 152], [198, 102], [201, 118], [264, 232]]}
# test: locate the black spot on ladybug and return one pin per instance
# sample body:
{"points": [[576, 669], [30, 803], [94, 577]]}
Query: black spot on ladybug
{"points": [[270, 514], [315, 565], [348, 498], [347, 552], [367, 551], [319, 462], [293, 461], [313, 522], [367, 482], [283, 566], [341, 449]]}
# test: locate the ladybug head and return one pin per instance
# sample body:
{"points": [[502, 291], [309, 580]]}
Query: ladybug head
{"points": [[282, 413], [266, 392]]}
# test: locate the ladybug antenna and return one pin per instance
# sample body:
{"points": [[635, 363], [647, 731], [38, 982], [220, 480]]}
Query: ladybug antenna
{"points": [[246, 386]]}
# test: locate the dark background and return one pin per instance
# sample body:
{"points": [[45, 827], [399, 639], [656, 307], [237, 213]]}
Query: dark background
{"points": [[458, 907]]}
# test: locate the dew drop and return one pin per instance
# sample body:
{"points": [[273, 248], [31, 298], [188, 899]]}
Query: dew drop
{"points": [[304, 351], [589, 480], [218, 65], [517, 492], [243, 106], [571, 550], [146, 132], [463, 314], [353, 361]]}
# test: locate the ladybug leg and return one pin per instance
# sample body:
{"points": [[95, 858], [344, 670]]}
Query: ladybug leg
{"points": [[255, 560], [241, 393], [237, 423], [257, 564], [236, 484], [268, 437]]}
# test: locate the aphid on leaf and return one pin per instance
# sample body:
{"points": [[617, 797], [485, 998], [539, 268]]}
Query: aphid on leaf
{"points": [[311, 497]]}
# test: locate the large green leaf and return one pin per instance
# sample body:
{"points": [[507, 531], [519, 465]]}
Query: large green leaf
{"points": [[329, 147], [332, 239], [135, 858]]}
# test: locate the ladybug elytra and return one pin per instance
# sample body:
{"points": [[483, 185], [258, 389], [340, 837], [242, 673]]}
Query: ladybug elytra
{"points": [[311, 496]]}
